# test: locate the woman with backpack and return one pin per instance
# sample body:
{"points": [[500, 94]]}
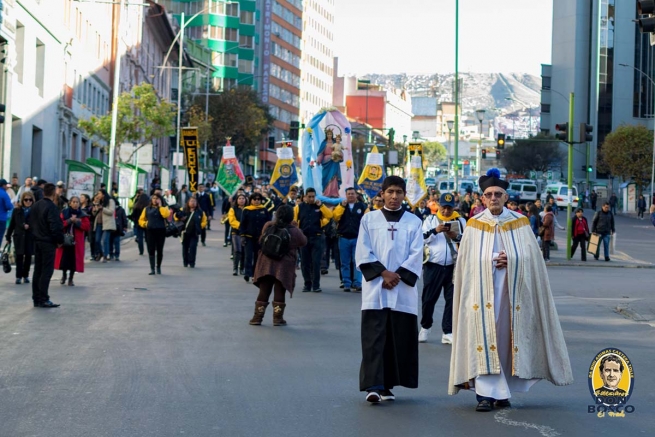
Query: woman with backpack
{"points": [[253, 219], [195, 221], [275, 270]]}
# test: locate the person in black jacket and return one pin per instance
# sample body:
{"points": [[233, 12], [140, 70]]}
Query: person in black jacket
{"points": [[225, 208], [603, 224], [48, 231], [20, 229], [153, 220], [234, 219], [349, 215], [141, 203], [206, 203], [195, 221], [253, 219], [121, 229]]}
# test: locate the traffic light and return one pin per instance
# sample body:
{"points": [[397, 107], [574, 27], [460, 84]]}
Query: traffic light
{"points": [[2, 113], [562, 132], [585, 132], [590, 169], [484, 153], [500, 142], [392, 133], [646, 7], [497, 154], [294, 130], [271, 143]]}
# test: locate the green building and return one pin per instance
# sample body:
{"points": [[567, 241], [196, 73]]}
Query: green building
{"points": [[227, 29]]}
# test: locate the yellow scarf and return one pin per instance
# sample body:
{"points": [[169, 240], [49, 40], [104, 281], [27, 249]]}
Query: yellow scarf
{"points": [[450, 218]]}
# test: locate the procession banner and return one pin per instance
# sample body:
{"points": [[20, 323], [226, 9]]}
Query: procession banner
{"points": [[416, 189], [229, 176], [190, 144], [373, 174], [284, 173], [80, 182]]}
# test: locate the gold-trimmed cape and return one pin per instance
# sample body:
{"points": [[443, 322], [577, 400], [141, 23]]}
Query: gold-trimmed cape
{"points": [[538, 347]]}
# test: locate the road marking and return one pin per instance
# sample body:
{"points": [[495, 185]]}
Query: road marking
{"points": [[546, 431]]}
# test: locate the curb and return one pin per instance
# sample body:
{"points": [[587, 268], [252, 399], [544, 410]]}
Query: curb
{"points": [[631, 314], [611, 266]]}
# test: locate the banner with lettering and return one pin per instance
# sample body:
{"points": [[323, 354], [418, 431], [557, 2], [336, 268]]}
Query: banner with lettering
{"points": [[191, 145], [416, 189], [229, 176], [284, 173], [373, 174]]}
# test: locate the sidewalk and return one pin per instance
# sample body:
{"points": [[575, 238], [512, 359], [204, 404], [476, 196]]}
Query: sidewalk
{"points": [[618, 259]]}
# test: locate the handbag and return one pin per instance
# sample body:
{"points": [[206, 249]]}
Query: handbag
{"points": [[172, 230], [594, 245], [69, 238], [186, 227], [6, 265]]}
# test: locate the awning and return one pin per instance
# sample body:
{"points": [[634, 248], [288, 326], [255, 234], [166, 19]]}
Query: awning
{"points": [[80, 166]]}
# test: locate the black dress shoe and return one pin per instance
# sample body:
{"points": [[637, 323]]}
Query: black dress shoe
{"points": [[159, 270], [46, 304], [503, 403], [484, 406], [26, 280], [235, 272], [152, 272], [19, 281], [246, 278]]}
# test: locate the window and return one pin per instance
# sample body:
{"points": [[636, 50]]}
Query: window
{"points": [[39, 77], [247, 17], [246, 41], [20, 51], [545, 108], [227, 59], [545, 83], [245, 66], [232, 9]]}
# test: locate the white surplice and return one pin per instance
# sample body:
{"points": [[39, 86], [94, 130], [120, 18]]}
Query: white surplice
{"points": [[501, 386], [395, 245]]}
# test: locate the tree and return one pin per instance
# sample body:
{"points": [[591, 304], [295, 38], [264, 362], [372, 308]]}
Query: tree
{"points": [[239, 114], [196, 117], [142, 116], [628, 152], [533, 154], [434, 153]]}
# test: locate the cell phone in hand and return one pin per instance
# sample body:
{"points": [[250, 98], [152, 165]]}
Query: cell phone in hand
{"points": [[446, 226]]}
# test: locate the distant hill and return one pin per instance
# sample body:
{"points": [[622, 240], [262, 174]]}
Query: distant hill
{"points": [[478, 91]]}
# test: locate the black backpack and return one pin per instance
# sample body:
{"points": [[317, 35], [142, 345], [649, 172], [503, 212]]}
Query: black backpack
{"points": [[276, 242]]}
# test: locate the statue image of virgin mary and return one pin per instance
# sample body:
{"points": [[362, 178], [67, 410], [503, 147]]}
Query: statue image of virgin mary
{"points": [[330, 154]]}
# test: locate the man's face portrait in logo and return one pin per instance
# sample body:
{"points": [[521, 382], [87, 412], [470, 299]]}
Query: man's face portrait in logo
{"points": [[611, 371]]}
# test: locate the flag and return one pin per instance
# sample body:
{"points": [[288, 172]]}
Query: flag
{"points": [[284, 173], [229, 177], [373, 174], [416, 189], [190, 143]]}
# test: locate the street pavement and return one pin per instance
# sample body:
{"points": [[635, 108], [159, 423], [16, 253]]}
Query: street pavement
{"points": [[129, 354]]}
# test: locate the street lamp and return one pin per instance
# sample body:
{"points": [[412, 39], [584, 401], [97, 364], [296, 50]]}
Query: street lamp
{"points": [[480, 114], [450, 124], [652, 174]]}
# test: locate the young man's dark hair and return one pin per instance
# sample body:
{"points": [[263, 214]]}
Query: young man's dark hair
{"points": [[350, 189], [254, 196], [606, 204], [49, 190], [395, 181], [310, 190]]}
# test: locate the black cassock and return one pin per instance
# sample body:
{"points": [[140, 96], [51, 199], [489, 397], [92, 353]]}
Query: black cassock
{"points": [[389, 338]]}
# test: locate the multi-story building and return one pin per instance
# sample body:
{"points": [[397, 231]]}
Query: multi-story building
{"points": [[592, 41], [317, 57]]}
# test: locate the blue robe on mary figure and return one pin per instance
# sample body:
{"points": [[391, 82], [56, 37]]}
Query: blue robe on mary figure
{"points": [[331, 170]]}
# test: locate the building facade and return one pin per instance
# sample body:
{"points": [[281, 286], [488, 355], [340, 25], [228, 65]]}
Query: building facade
{"points": [[317, 57], [591, 41]]}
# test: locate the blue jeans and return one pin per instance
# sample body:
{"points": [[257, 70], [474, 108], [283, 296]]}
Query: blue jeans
{"points": [[347, 251], [606, 244], [106, 240], [115, 246], [98, 238], [139, 233]]}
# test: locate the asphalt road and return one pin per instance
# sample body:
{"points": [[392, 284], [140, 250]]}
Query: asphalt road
{"points": [[128, 354]]}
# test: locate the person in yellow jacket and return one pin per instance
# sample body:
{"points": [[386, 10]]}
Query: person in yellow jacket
{"points": [[153, 220], [195, 220], [253, 219], [312, 216], [234, 218]]}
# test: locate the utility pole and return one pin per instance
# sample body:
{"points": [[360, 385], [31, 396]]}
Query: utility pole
{"points": [[456, 166], [569, 205], [179, 97]]}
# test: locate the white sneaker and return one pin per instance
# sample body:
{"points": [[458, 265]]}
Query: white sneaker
{"points": [[447, 339], [373, 397], [423, 335]]}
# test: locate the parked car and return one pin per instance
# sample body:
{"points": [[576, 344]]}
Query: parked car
{"points": [[514, 196], [449, 186], [560, 193], [527, 189]]}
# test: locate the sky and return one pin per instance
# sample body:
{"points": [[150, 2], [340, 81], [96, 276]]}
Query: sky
{"points": [[418, 36]]}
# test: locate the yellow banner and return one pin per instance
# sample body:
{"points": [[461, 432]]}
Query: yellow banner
{"points": [[416, 189]]}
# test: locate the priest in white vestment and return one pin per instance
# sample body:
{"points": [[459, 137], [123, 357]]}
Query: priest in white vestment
{"points": [[506, 331], [389, 254]]}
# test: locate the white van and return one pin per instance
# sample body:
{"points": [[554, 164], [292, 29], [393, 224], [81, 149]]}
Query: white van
{"points": [[527, 188], [560, 193], [445, 186]]}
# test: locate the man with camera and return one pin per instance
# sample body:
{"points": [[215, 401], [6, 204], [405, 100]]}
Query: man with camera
{"points": [[441, 232]]}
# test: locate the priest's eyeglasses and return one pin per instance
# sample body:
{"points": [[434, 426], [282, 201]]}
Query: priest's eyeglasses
{"points": [[496, 194]]}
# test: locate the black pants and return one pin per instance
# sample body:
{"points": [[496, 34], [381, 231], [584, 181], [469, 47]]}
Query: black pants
{"points": [[237, 252], [252, 250], [23, 264], [310, 261], [189, 249], [228, 235], [44, 267], [435, 278], [266, 285], [545, 248], [155, 238], [331, 251], [640, 213], [582, 241]]}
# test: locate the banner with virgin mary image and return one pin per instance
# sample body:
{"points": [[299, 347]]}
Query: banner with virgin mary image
{"points": [[229, 177], [327, 159], [416, 189]]}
